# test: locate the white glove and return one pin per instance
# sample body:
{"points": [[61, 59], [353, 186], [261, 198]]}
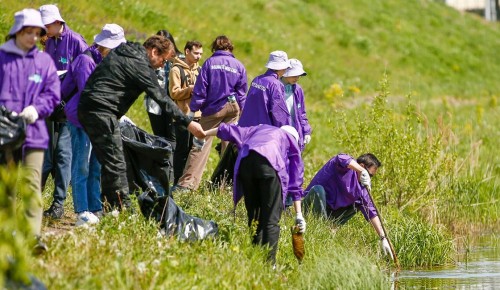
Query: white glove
{"points": [[307, 139], [300, 222], [29, 114], [125, 119], [366, 180], [191, 114], [198, 144], [386, 248]]}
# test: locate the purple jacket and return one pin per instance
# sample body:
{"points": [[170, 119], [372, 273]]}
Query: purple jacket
{"points": [[26, 80], [65, 48], [265, 102], [342, 187], [76, 77], [221, 76], [277, 146], [301, 123]]}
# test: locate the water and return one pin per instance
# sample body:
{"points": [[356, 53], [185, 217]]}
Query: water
{"points": [[478, 268]]}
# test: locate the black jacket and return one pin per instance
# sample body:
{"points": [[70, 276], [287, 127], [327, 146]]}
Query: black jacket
{"points": [[118, 81]]}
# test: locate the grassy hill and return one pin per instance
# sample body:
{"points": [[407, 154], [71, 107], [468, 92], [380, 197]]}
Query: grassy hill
{"points": [[425, 46], [439, 147]]}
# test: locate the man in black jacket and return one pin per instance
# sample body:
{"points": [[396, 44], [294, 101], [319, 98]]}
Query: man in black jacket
{"points": [[110, 91]]}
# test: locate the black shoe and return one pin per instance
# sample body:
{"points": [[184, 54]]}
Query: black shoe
{"points": [[55, 211], [40, 247]]}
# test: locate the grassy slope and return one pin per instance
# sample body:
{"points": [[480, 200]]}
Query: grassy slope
{"points": [[427, 48]]}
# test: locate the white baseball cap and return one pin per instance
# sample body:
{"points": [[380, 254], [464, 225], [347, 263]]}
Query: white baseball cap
{"points": [[50, 14], [292, 131], [296, 69], [278, 60], [111, 36], [26, 17]]}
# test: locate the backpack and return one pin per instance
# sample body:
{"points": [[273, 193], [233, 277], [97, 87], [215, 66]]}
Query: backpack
{"points": [[184, 77]]}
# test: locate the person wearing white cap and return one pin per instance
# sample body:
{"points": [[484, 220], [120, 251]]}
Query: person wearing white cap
{"points": [[30, 87], [268, 168], [294, 99], [63, 45], [265, 98], [265, 104], [85, 169]]}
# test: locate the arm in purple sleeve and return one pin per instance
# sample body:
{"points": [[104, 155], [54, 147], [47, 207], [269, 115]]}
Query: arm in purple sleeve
{"points": [[50, 94], [366, 205], [295, 172], [241, 89], [304, 122], [233, 133], [200, 90]]}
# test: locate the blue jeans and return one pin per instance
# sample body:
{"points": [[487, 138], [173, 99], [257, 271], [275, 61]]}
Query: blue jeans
{"points": [[58, 160], [315, 201], [86, 173]]}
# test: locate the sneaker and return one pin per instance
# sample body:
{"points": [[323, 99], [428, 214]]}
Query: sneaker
{"points": [[179, 189], [86, 218], [55, 211], [99, 214]]}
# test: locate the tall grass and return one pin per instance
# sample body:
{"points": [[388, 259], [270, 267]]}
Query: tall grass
{"points": [[439, 144], [15, 237]]}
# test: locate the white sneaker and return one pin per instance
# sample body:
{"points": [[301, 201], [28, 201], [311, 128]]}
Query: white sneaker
{"points": [[86, 218]]}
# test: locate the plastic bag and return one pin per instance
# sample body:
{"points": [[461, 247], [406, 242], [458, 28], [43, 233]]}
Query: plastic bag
{"points": [[298, 243], [12, 130]]}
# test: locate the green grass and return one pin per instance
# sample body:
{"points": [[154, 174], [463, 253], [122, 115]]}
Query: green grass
{"points": [[441, 170]]}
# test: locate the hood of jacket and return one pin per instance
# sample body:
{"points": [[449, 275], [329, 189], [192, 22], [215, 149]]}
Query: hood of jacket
{"points": [[131, 50], [11, 47]]}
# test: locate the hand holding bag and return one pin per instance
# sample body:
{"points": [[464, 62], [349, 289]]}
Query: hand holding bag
{"points": [[12, 130]]}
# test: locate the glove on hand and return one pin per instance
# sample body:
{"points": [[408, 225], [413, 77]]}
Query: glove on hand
{"points": [[365, 179], [307, 139], [300, 222], [29, 114], [386, 248], [125, 119]]}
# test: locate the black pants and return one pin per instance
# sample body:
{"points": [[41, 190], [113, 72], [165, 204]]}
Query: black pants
{"points": [[184, 142], [263, 200], [105, 135], [163, 126]]}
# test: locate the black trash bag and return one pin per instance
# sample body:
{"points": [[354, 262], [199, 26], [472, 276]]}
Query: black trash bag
{"points": [[147, 158], [12, 130], [223, 173], [173, 220], [147, 173]]}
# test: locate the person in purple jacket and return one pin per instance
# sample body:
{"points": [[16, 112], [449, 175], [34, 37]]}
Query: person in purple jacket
{"points": [[219, 93], [268, 168], [63, 45], [85, 169], [266, 96], [342, 187], [29, 86], [294, 99]]}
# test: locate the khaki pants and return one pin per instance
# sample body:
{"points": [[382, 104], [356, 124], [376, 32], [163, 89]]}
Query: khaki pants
{"points": [[32, 163], [197, 160]]}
